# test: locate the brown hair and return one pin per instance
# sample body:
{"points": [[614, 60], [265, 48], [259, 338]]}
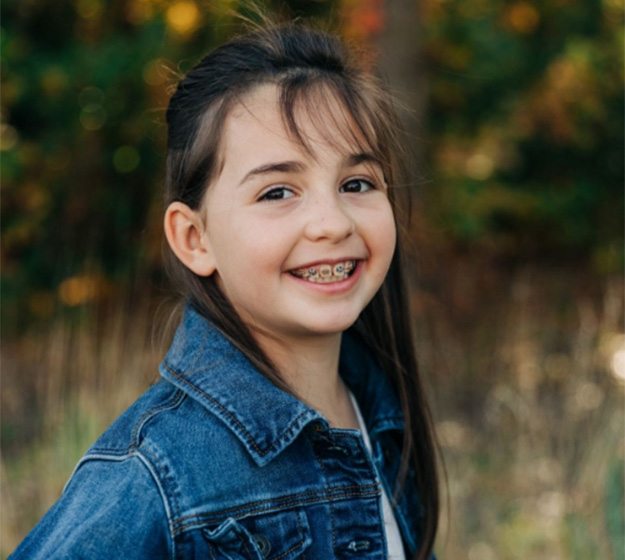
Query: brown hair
{"points": [[305, 65]]}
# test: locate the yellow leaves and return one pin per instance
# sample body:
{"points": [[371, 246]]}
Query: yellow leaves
{"points": [[54, 81], [565, 100], [183, 17], [480, 156], [81, 289], [521, 17], [8, 137], [480, 166]]}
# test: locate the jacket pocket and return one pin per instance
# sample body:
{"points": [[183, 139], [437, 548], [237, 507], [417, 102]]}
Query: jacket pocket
{"points": [[275, 536]]}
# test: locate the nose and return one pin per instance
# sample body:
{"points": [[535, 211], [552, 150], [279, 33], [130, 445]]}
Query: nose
{"points": [[328, 218]]}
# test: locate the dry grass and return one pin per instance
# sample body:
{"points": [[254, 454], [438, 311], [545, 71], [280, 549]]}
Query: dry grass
{"points": [[530, 416], [529, 412]]}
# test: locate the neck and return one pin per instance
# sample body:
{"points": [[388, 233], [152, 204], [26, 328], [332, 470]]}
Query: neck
{"points": [[311, 368]]}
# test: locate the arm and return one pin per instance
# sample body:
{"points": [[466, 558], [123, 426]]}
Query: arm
{"points": [[110, 509]]}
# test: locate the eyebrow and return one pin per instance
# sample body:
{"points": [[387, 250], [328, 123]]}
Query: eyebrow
{"points": [[297, 166], [364, 157], [276, 167]]}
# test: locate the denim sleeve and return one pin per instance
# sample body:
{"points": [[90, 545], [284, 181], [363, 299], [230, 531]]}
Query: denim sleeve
{"points": [[110, 509]]}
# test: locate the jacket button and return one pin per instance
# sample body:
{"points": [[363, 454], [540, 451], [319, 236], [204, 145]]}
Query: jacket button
{"points": [[263, 544], [317, 426], [356, 546]]}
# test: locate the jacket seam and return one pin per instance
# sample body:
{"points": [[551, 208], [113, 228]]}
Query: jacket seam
{"points": [[150, 468], [173, 402], [237, 425], [281, 503]]}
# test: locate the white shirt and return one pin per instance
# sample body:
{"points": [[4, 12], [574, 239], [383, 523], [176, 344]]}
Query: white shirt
{"points": [[393, 538]]}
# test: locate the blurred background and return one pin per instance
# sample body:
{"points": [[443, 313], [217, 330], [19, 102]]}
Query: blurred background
{"points": [[514, 112]]}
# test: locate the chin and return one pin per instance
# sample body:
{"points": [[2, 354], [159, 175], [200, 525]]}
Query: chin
{"points": [[333, 327]]}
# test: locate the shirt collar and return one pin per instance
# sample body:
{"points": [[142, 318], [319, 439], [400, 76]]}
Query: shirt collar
{"points": [[205, 365]]}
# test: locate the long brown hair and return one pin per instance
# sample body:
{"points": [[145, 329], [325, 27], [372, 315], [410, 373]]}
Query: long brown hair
{"points": [[307, 66]]}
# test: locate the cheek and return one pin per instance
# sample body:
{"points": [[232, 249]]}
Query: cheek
{"points": [[384, 234], [247, 253]]}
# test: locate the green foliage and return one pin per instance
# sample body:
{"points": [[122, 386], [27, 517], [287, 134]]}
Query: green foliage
{"points": [[525, 133], [614, 515], [85, 87], [525, 119]]}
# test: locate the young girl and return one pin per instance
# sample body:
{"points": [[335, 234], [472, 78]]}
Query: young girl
{"points": [[289, 421]]}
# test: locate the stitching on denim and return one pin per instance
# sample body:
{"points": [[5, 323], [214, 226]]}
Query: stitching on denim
{"points": [[282, 554], [173, 402], [148, 466], [331, 503], [187, 522], [302, 520], [294, 547], [193, 388], [237, 424], [166, 505], [246, 545], [332, 491]]}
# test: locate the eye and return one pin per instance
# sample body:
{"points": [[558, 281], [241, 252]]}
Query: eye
{"points": [[277, 193], [356, 186]]}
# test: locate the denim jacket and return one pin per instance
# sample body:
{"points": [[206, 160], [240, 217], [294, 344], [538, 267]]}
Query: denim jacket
{"points": [[216, 462]]}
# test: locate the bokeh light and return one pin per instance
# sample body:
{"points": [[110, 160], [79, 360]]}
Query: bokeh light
{"points": [[183, 17]]}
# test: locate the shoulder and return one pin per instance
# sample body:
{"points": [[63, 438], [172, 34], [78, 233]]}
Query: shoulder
{"points": [[108, 508], [183, 446], [128, 431], [164, 429]]}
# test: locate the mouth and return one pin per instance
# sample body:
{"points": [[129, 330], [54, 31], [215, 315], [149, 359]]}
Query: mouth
{"points": [[326, 273]]}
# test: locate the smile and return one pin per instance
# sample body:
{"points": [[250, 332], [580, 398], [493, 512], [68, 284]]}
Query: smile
{"points": [[326, 273]]}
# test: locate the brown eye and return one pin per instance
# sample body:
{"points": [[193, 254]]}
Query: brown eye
{"points": [[277, 193], [356, 186]]}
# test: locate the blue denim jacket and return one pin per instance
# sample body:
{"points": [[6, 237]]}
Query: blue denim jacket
{"points": [[215, 462]]}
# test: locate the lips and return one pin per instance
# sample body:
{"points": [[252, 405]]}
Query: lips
{"points": [[325, 273]]}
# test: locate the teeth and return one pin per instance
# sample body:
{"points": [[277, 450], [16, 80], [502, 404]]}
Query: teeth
{"points": [[326, 273]]}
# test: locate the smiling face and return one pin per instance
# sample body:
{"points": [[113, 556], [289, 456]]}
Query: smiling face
{"points": [[300, 240]]}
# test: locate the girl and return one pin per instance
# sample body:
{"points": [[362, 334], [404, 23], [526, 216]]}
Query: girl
{"points": [[289, 421]]}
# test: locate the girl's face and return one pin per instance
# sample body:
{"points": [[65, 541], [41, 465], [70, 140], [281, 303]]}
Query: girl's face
{"points": [[300, 242]]}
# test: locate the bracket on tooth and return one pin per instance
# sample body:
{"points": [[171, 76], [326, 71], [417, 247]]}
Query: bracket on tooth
{"points": [[326, 272]]}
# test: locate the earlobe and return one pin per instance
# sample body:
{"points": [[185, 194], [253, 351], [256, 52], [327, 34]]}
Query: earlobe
{"points": [[186, 237]]}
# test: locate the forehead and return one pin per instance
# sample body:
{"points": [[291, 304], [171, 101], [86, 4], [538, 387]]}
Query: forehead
{"points": [[314, 123]]}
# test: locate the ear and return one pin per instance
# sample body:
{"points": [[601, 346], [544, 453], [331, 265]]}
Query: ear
{"points": [[186, 237]]}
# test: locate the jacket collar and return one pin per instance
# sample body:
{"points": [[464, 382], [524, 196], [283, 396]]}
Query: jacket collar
{"points": [[205, 365]]}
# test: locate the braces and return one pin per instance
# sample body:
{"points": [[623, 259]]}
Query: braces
{"points": [[326, 272]]}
